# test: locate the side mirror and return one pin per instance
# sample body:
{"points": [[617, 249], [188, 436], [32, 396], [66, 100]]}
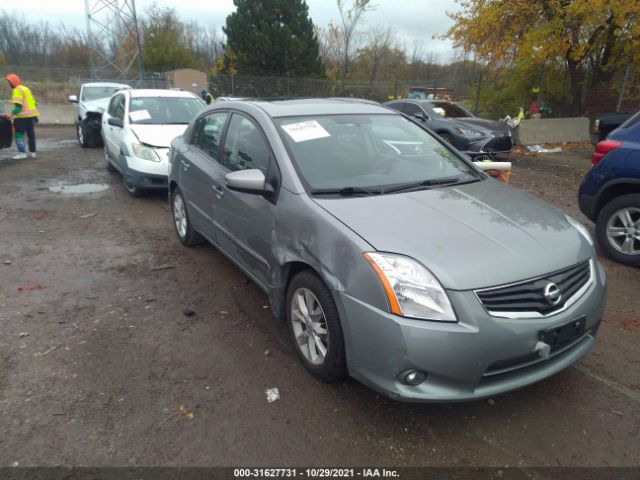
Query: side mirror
{"points": [[116, 122], [248, 181], [73, 98], [421, 117]]}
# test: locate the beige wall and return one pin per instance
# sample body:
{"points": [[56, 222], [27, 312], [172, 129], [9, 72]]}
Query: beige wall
{"points": [[186, 79]]}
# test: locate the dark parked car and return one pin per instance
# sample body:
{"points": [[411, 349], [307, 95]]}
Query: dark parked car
{"points": [[606, 124], [457, 126], [6, 132], [610, 193]]}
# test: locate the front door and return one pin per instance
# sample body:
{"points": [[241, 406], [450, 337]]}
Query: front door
{"points": [[198, 164], [245, 221]]}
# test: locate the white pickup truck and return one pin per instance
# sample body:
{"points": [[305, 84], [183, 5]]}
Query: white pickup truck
{"points": [[88, 109]]}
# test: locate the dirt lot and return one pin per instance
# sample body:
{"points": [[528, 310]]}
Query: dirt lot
{"points": [[99, 365]]}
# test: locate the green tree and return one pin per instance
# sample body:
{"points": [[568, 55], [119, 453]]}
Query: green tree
{"points": [[165, 45], [272, 37]]}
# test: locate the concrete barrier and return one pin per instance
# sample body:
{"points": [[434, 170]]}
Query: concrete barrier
{"points": [[56, 114], [553, 130]]}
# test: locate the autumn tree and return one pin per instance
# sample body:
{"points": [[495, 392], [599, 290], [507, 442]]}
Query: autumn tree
{"points": [[351, 15], [272, 37], [587, 37], [165, 44]]}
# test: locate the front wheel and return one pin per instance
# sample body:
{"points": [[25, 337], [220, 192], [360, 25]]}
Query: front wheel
{"points": [[618, 229], [314, 324], [446, 137], [81, 133], [186, 234]]}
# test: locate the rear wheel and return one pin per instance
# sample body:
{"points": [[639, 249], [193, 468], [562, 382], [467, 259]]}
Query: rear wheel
{"points": [[314, 324], [186, 234], [618, 229]]}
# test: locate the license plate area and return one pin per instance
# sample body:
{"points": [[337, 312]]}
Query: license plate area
{"points": [[558, 337]]}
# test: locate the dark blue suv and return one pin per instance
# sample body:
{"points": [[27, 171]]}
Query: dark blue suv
{"points": [[610, 193]]}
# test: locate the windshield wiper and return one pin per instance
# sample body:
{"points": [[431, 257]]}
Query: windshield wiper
{"points": [[431, 183], [347, 191]]}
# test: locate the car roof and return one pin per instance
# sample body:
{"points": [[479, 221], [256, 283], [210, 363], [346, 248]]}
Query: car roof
{"points": [[106, 84], [157, 92], [315, 106]]}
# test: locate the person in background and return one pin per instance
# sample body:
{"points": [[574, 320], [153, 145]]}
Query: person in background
{"points": [[207, 97], [24, 115]]}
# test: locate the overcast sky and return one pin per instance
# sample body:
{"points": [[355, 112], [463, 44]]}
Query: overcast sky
{"points": [[412, 19]]}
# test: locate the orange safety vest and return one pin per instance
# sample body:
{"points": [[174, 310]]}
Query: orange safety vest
{"points": [[22, 96]]}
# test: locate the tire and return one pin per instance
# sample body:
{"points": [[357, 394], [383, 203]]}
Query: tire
{"points": [[81, 133], [181, 222], [446, 137], [611, 219], [331, 366], [133, 191]]}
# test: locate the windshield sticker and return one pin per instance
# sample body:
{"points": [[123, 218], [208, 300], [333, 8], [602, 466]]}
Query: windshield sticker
{"points": [[139, 115], [303, 131], [439, 111]]}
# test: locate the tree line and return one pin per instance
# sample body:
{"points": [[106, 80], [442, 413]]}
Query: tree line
{"points": [[509, 52]]}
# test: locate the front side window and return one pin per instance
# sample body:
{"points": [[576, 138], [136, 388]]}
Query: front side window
{"points": [[244, 146], [411, 109], [164, 110], [367, 152], [450, 110], [116, 107], [208, 133]]}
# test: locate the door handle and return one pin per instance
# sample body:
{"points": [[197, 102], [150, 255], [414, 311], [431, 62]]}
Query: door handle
{"points": [[185, 165], [218, 189]]}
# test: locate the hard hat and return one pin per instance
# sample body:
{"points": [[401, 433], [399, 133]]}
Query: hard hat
{"points": [[202, 92], [14, 79]]}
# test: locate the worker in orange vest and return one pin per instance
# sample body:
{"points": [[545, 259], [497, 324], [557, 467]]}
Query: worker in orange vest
{"points": [[24, 115]]}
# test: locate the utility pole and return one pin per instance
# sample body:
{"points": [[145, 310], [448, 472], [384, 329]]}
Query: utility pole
{"points": [[114, 39]]}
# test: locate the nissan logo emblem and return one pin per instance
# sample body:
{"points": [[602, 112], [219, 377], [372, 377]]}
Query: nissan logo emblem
{"points": [[552, 293]]}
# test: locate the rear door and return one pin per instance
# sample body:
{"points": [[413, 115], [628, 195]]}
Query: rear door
{"points": [[198, 171]]}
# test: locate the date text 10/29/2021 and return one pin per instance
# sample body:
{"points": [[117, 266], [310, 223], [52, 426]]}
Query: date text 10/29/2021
{"points": [[314, 473]]}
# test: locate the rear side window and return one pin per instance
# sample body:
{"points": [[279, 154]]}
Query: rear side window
{"points": [[208, 133], [244, 146]]}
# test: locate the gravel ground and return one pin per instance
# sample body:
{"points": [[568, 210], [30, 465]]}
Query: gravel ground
{"points": [[99, 366]]}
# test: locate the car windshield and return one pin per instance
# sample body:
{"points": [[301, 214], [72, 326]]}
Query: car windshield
{"points": [[449, 110], [96, 93], [164, 110], [381, 153]]}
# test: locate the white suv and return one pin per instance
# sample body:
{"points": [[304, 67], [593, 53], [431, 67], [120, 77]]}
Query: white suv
{"points": [[138, 128], [88, 109]]}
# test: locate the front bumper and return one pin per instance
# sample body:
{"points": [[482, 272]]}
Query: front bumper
{"points": [[490, 146], [147, 174], [459, 358]]}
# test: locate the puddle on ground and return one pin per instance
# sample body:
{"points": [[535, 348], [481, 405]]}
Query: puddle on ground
{"points": [[82, 189]]}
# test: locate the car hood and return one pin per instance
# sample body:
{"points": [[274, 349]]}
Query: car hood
{"points": [[470, 236], [497, 128], [99, 105], [158, 135]]}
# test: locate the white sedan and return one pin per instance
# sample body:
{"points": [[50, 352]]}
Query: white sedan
{"points": [[138, 128]]}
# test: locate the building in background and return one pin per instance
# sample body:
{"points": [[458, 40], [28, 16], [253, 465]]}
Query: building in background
{"points": [[187, 79]]}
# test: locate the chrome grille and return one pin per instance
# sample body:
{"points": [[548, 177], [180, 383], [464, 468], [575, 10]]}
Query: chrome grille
{"points": [[528, 297], [498, 144]]}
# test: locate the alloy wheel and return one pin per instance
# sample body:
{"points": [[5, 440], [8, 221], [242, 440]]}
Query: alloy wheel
{"points": [[80, 134], [180, 216], [623, 230], [309, 326]]}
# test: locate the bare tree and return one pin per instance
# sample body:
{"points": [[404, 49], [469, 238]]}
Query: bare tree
{"points": [[351, 12]]}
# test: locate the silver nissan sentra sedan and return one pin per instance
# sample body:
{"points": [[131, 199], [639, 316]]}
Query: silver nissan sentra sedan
{"points": [[391, 257]]}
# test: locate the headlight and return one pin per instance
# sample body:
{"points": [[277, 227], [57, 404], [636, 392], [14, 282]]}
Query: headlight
{"points": [[144, 153], [581, 228], [411, 289], [467, 132]]}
